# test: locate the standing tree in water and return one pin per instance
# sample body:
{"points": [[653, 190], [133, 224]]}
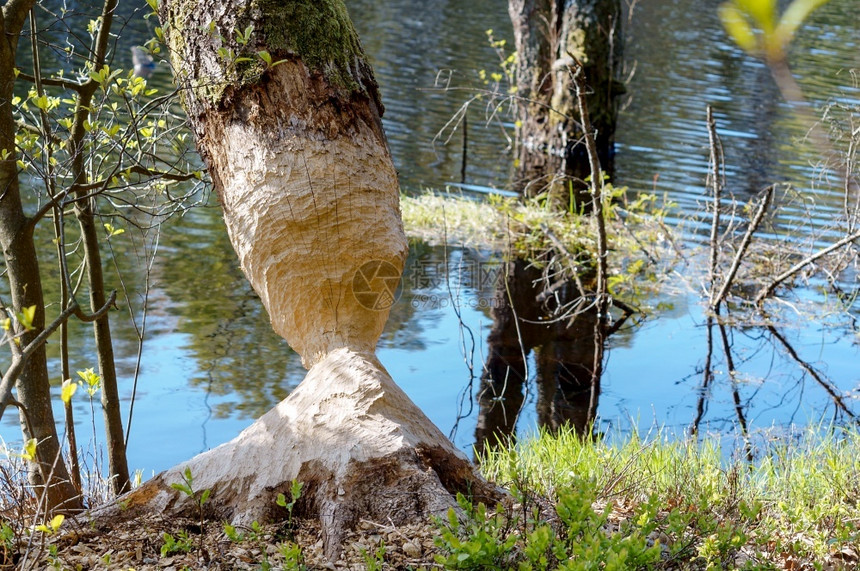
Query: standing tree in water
{"points": [[286, 114], [553, 38]]}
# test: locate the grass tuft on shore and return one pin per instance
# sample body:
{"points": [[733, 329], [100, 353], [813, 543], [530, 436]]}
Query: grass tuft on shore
{"points": [[794, 507], [642, 250]]}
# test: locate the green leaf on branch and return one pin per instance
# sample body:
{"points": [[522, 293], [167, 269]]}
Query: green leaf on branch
{"points": [[763, 12], [92, 379], [41, 102], [68, 390], [26, 317], [738, 28], [29, 452], [52, 526], [112, 231], [795, 15]]}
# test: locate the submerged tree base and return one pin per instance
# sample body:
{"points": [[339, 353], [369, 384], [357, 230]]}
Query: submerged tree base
{"points": [[360, 447]]}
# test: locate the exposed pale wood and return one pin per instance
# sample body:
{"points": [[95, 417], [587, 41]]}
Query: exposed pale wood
{"points": [[350, 434], [305, 210], [310, 195]]}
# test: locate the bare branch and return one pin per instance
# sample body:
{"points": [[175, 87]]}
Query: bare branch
{"points": [[739, 255], [52, 82], [802, 264], [20, 360], [181, 177], [736, 396], [90, 317], [596, 191], [716, 183], [838, 400]]}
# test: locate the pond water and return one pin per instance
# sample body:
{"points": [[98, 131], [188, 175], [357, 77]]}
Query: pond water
{"points": [[211, 363]]}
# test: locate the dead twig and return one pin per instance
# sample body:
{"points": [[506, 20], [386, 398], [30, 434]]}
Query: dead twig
{"points": [[716, 183], [739, 255], [766, 291]]}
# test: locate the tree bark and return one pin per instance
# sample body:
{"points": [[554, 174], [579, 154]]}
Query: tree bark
{"points": [[115, 441], [25, 286], [295, 147], [548, 35]]}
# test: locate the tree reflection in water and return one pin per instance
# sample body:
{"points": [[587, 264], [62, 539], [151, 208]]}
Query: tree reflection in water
{"points": [[559, 324]]}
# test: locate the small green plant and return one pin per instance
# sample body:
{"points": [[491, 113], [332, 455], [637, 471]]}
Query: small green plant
{"points": [[54, 559], [482, 541], [186, 486], [294, 559], [251, 61], [232, 534], [697, 507], [255, 533], [537, 548], [52, 526], [180, 544], [264, 561], [295, 494], [583, 536], [374, 562], [8, 539]]}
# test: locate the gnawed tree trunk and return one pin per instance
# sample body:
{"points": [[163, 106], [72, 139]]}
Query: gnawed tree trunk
{"points": [[356, 441], [549, 34], [295, 147]]}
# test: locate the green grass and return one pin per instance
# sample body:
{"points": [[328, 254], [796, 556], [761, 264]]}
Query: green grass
{"points": [[641, 258], [795, 507], [497, 222], [619, 503], [454, 219]]}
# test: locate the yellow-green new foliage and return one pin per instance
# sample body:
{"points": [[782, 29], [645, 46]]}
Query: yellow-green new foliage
{"points": [[758, 29]]}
